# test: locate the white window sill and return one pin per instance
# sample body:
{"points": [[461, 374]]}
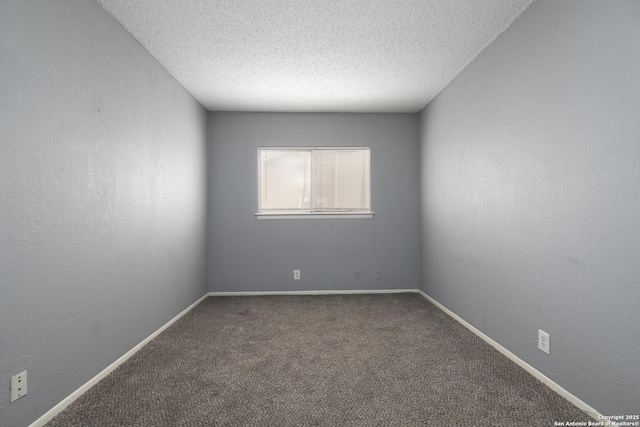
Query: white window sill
{"points": [[315, 215]]}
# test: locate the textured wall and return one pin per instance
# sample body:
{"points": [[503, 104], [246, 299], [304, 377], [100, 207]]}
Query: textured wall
{"points": [[530, 185], [102, 198], [247, 254]]}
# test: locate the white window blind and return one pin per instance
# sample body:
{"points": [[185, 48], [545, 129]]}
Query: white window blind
{"points": [[308, 180]]}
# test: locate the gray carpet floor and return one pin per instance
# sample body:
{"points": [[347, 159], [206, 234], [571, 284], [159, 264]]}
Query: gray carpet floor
{"points": [[334, 360]]}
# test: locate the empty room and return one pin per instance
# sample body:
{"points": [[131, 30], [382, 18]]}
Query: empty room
{"points": [[310, 213]]}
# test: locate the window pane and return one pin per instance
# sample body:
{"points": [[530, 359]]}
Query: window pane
{"points": [[307, 179], [341, 179], [285, 179], [324, 180]]}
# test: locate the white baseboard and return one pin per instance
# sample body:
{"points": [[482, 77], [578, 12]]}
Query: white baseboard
{"points": [[328, 292], [106, 371], [533, 371]]}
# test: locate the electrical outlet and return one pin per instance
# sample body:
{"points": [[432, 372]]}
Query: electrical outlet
{"points": [[296, 274], [18, 386], [543, 341], [378, 274], [358, 273]]}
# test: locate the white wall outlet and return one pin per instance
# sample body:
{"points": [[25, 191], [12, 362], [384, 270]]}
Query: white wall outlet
{"points": [[378, 274], [543, 341], [296, 274], [358, 273], [18, 386]]}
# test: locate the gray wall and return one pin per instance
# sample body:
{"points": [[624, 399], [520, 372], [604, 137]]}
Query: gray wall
{"points": [[248, 254], [103, 188], [530, 183]]}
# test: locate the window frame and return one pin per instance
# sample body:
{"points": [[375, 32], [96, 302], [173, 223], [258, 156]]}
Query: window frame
{"points": [[311, 214]]}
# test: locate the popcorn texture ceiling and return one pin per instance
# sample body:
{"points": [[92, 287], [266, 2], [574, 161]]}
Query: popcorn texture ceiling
{"points": [[315, 55]]}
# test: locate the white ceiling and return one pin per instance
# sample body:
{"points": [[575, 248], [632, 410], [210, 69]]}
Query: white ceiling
{"points": [[315, 55]]}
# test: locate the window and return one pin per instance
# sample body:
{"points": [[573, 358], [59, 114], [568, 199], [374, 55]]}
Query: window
{"points": [[314, 182]]}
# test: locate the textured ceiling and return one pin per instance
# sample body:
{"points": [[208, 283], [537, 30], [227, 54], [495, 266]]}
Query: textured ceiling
{"points": [[315, 55]]}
